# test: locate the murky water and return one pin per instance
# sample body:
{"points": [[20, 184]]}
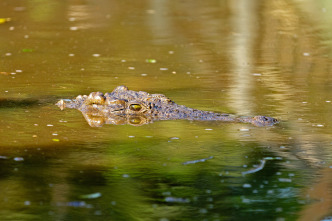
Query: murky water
{"points": [[245, 57]]}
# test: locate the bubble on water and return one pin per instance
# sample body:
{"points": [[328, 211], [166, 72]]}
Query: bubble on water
{"points": [[125, 176], [27, 203], [208, 129], [74, 28], [163, 69], [144, 74], [96, 55]]}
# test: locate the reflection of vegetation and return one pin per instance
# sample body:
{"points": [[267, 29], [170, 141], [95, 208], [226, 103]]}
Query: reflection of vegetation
{"points": [[6, 103], [144, 180]]}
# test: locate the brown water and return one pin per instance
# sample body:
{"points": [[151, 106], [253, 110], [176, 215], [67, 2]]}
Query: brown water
{"points": [[245, 57]]}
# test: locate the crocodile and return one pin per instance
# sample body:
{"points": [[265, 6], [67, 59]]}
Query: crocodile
{"points": [[124, 106]]}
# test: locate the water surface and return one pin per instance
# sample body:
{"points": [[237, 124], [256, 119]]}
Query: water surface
{"points": [[243, 57]]}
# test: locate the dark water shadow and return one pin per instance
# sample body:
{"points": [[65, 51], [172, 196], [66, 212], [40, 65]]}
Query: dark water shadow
{"points": [[12, 103]]}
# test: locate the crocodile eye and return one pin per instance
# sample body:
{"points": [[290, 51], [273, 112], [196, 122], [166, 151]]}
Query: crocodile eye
{"points": [[135, 107]]}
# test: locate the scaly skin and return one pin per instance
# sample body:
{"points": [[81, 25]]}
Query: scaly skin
{"points": [[124, 106]]}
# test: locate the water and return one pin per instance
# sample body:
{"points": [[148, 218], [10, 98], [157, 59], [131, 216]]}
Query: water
{"points": [[245, 57]]}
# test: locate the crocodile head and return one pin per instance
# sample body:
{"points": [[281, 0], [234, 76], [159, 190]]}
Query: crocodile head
{"points": [[121, 106]]}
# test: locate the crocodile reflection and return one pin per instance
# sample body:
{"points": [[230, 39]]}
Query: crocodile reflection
{"points": [[124, 106]]}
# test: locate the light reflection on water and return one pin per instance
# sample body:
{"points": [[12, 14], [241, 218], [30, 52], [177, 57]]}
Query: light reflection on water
{"points": [[247, 58]]}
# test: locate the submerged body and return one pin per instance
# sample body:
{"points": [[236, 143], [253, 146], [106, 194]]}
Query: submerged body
{"points": [[124, 106]]}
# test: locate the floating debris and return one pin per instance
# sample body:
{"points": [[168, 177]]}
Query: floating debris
{"points": [[73, 28], [285, 180], [4, 20], [246, 185], [151, 61], [260, 167], [197, 161], [171, 199], [91, 196], [18, 158], [27, 50], [174, 138]]}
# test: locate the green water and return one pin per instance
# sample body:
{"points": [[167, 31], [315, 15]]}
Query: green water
{"points": [[244, 57]]}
